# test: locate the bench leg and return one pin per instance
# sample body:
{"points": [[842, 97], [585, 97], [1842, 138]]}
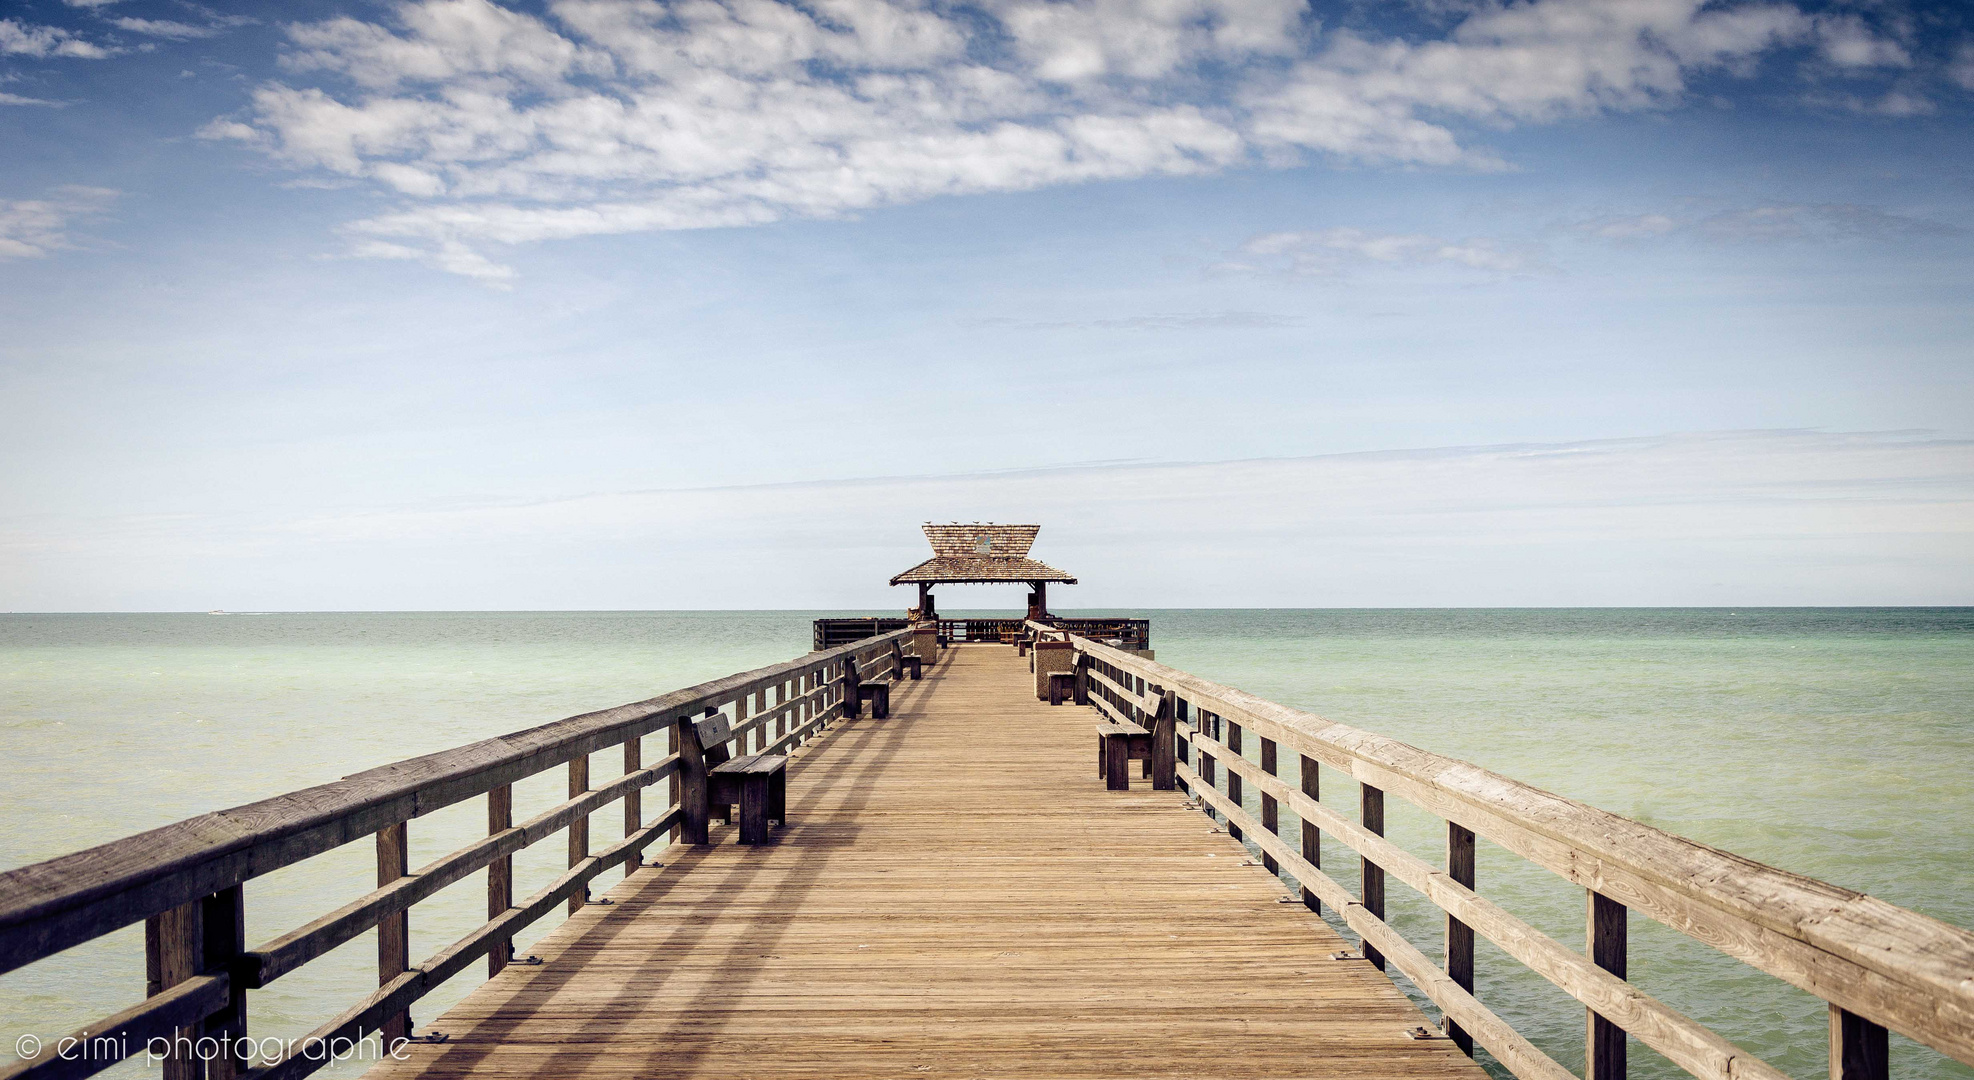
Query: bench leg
{"points": [[882, 711], [1055, 692], [1102, 753], [754, 810], [1117, 764], [778, 798]]}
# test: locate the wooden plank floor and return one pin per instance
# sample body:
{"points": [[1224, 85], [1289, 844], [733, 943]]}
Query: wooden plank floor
{"points": [[957, 895]]}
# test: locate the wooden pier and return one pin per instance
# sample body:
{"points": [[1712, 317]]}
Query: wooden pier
{"points": [[956, 894], [953, 890]]}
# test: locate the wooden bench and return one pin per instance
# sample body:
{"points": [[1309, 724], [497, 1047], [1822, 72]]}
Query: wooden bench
{"points": [[1117, 746], [759, 783], [913, 664], [879, 696], [1062, 686]]}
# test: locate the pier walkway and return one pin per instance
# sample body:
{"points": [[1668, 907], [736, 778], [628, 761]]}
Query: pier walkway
{"points": [[956, 894]]}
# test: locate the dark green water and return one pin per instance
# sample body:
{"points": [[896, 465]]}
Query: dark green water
{"points": [[1835, 743]]}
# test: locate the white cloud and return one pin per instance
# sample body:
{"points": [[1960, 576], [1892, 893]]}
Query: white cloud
{"points": [[31, 228], [1847, 42], [495, 126], [16, 99], [1330, 251], [26, 39], [164, 28], [1961, 71]]}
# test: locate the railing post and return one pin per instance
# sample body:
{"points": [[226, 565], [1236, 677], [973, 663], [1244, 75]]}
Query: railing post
{"points": [[579, 828], [853, 704], [633, 800], [1082, 692], [1604, 1048], [1312, 837], [1164, 743], [694, 792], [675, 787], [1460, 936], [1234, 791], [500, 873], [223, 937], [1859, 1049], [1371, 808], [393, 930], [1180, 752], [173, 949], [1269, 820]]}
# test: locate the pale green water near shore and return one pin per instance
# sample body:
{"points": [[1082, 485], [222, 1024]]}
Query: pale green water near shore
{"points": [[1836, 743]]}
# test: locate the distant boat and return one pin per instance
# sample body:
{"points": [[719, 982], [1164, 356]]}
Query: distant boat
{"points": [[217, 611]]}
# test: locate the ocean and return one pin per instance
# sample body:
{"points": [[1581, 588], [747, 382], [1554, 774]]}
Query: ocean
{"points": [[1837, 743]]}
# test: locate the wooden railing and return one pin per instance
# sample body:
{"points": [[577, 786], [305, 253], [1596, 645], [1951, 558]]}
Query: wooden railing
{"points": [[1124, 633], [1877, 966], [185, 881]]}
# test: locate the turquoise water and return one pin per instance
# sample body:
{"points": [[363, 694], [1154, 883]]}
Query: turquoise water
{"points": [[1836, 743]]}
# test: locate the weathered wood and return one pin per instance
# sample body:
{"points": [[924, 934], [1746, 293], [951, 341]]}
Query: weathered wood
{"points": [[1604, 1048], [1235, 791], [578, 828], [1890, 965], [1269, 820], [297, 947], [1459, 936], [397, 996], [223, 938], [47, 907], [1312, 837], [694, 797], [1859, 1049], [1683, 1041], [957, 897], [634, 799], [1117, 759], [500, 873], [180, 948], [394, 929], [1371, 813], [1164, 743], [1506, 1044], [180, 1008]]}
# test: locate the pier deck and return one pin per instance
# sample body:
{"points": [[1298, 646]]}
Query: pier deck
{"points": [[956, 895]]}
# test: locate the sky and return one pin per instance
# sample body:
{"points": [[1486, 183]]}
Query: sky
{"points": [[450, 304]]}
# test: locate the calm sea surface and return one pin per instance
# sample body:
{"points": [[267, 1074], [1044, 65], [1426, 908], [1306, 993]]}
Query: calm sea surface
{"points": [[1835, 743]]}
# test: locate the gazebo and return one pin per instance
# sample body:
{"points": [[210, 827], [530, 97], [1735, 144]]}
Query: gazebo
{"points": [[982, 554]]}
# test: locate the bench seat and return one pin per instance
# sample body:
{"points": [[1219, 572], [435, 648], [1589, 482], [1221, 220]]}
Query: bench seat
{"points": [[759, 783], [1119, 744]]}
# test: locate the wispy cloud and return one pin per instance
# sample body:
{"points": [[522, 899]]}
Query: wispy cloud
{"points": [[1212, 320], [164, 28], [496, 127], [1329, 252], [1782, 517], [16, 99], [32, 228], [27, 39], [1769, 222]]}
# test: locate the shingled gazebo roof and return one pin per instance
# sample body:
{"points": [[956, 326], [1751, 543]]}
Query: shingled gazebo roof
{"points": [[981, 554]]}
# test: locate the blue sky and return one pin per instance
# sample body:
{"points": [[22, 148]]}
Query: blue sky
{"points": [[369, 305]]}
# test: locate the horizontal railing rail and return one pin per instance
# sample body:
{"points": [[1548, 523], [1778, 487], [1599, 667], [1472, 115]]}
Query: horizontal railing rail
{"points": [[1878, 966], [185, 881]]}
